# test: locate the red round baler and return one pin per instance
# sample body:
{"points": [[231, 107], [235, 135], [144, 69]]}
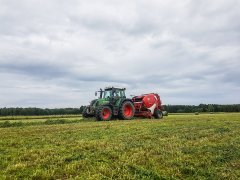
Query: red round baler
{"points": [[148, 105]]}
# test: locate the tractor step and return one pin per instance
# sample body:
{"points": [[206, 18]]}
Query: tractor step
{"points": [[115, 110]]}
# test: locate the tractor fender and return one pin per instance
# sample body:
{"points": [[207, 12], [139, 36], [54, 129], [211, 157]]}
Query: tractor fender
{"points": [[124, 100], [108, 104]]}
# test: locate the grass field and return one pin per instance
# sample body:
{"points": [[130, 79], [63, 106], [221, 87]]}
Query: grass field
{"points": [[205, 146]]}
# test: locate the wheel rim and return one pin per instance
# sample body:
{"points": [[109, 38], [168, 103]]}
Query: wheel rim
{"points": [[128, 111], [106, 113]]}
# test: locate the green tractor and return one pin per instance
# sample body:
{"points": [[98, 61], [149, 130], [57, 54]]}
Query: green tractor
{"points": [[112, 102]]}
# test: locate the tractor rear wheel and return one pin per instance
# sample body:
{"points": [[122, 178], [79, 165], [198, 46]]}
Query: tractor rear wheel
{"points": [[158, 114], [127, 110], [104, 113]]}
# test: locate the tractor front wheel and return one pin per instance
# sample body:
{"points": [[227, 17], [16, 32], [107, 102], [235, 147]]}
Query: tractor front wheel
{"points": [[84, 113], [104, 113], [127, 110]]}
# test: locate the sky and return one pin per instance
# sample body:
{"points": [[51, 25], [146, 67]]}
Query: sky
{"points": [[58, 53]]}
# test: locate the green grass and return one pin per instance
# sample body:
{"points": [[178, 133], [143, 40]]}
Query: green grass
{"points": [[15, 121], [205, 146], [33, 118]]}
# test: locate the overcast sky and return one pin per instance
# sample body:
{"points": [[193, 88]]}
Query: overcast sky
{"points": [[56, 53]]}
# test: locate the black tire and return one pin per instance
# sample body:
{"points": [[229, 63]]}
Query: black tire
{"points": [[122, 112], [101, 113], [158, 114], [84, 113]]}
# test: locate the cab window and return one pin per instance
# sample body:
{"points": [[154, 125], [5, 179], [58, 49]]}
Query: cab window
{"points": [[122, 93], [117, 93], [107, 94]]}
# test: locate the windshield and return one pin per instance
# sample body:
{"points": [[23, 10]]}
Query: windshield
{"points": [[115, 93], [107, 94]]}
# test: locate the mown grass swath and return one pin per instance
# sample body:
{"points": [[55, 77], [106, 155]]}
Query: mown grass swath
{"points": [[205, 146]]}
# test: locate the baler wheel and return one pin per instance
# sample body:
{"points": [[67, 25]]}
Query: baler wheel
{"points": [[127, 110], [158, 114], [104, 113]]}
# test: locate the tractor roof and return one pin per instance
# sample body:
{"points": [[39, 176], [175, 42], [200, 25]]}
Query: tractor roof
{"points": [[111, 87]]}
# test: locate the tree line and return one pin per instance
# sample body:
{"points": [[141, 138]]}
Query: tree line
{"points": [[202, 108], [33, 111]]}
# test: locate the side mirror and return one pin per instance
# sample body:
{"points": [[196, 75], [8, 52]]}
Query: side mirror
{"points": [[96, 93]]}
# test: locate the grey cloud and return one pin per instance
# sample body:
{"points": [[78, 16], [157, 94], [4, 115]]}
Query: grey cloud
{"points": [[57, 53], [35, 69]]}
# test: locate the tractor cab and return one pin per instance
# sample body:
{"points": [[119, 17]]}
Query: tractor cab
{"points": [[112, 92]]}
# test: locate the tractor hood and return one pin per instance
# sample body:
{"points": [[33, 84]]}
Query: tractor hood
{"points": [[101, 101], [92, 102]]}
